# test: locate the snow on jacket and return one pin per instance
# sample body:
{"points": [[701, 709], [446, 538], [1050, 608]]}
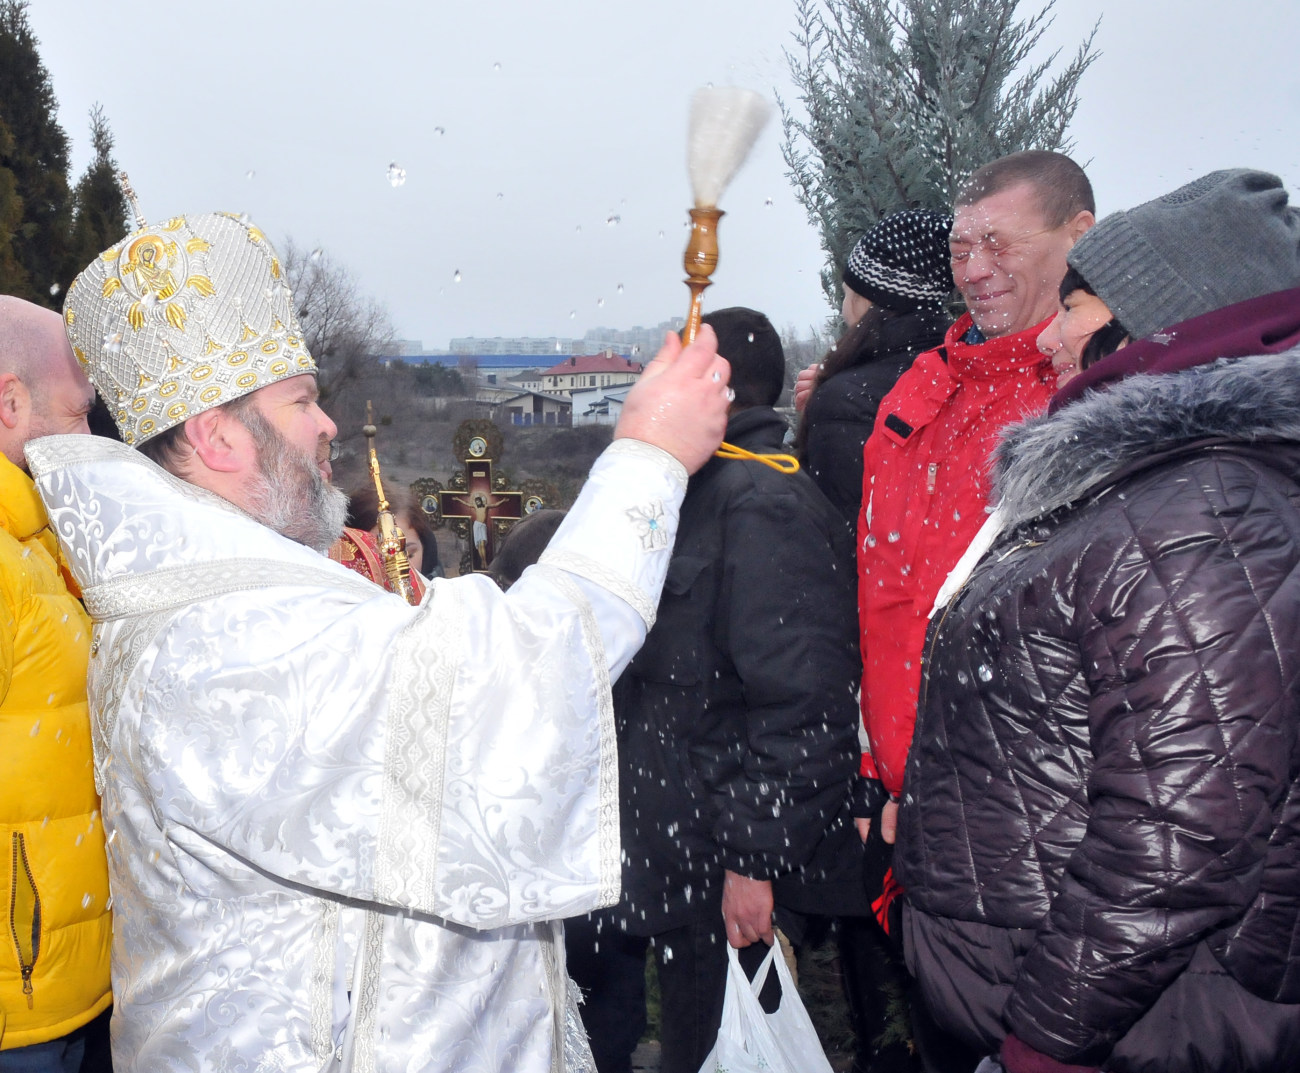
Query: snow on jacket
{"points": [[53, 875], [842, 411], [924, 496], [1100, 834], [737, 737]]}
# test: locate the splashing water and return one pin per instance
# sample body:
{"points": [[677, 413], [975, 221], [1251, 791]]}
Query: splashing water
{"points": [[456, 277], [396, 174], [613, 220], [620, 288]]}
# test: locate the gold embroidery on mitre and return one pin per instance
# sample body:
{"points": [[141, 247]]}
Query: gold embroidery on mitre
{"points": [[69, 315], [168, 389], [270, 347], [174, 224], [176, 316], [248, 334], [177, 410], [275, 268], [201, 285], [201, 372], [110, 285], [208, 394], [255, 233], [198, 245], [212, 347], [174, 362], [246, 379], [111, 254], [239, 357]]}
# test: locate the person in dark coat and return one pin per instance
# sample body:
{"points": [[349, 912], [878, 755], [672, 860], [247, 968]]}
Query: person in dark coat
{"points": [[1100, 830], [896, 284], [737, 719]]}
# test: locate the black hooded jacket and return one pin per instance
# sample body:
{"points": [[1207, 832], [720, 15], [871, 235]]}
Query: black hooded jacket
{"points": [[842, 410], [737, 719], [1100, 833]]}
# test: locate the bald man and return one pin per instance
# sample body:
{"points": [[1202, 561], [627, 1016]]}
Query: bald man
{"points": [[54, 975]]}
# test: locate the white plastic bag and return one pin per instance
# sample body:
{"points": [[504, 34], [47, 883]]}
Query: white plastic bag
{"points": [[751, 1040]]}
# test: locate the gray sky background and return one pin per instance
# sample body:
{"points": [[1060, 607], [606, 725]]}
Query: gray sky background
{"points": [[292, 112]]}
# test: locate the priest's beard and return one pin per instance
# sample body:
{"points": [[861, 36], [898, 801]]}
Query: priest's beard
{"points": [[288, 493]]}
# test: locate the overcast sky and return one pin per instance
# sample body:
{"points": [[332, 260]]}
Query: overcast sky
{"points": [[544, 144]]}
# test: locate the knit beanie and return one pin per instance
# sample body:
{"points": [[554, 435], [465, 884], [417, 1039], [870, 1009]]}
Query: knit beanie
{"points": [[1225, 238], [902, 263]]}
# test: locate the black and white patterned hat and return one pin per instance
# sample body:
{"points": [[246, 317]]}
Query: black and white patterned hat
{"points": [[902, 263]]}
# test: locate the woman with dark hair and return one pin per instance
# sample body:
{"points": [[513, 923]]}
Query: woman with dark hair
{"points": [[1100, 830], [421, 547], [896, 284]]}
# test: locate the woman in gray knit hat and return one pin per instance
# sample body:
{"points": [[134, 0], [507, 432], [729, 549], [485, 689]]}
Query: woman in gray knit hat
{"points": [[1100, 836]]}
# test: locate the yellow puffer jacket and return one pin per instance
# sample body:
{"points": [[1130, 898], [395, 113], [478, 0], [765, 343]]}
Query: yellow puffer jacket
{"points": [[54, 943]]}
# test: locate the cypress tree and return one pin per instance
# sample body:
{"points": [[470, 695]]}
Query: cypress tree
{"points": [[99, 207], [903, 99], [36, 156]]}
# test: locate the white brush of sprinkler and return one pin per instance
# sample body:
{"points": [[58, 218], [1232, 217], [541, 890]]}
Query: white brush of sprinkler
{"points": [[725, 123]]}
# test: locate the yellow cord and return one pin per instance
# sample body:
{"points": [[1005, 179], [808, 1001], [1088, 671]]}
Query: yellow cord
{"points": [[780, 463]]}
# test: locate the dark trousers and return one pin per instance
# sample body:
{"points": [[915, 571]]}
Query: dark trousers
{"points": [[608, 965]]}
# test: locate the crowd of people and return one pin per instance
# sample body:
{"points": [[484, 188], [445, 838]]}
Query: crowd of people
{"points": [[1000, 688]]}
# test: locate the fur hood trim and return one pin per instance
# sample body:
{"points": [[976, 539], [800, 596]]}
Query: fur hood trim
{"points": [[1050, 461]]}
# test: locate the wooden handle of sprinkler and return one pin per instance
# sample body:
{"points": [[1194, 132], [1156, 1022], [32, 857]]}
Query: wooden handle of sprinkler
{"points": [[700, 261]]}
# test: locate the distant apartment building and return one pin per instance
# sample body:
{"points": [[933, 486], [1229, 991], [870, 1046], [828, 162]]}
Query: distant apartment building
{"points": [[525, 344], [585, 371]]}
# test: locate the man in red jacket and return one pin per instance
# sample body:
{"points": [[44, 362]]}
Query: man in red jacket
{"points": [[925, 482]]}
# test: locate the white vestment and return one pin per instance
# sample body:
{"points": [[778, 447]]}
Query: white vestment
{"points": [[340, 827]]}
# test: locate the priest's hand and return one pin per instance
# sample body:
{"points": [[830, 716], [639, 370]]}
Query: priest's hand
{"points": [[747, 909], [680, 403]]}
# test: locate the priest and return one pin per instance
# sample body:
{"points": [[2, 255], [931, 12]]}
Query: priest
{"points": [[341, 829]]}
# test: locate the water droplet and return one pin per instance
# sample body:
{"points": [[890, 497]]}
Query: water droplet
{"points": [[36, 728], [871, 540], [573, 314], [250, 174], [620, 288], [440, 131], [86, 899], [894, 537], [557, 346], [54, 289], [768, 203], [317, 254], [962, 678], [78, 840], [985, 674], [578, 229], [613, 220], [751, 337], [396, 174], [500, 196], [456, 277], [496, 66], [600, 302], [661, 234]]}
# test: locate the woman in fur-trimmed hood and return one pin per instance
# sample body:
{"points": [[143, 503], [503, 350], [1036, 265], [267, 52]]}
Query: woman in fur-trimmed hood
{"points": [[1100, 835]]}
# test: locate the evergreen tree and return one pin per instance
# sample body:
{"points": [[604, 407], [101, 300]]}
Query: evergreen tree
{"points": [[13, 278], [37, 157], [903, 99], [99, 207]]}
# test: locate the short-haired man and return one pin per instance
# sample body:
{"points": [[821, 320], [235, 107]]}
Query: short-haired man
{"points": [[737, 719], [340, 827], [53, 875], [926, 476]]}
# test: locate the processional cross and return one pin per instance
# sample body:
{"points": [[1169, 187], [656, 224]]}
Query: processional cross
{"points": [[482, 505]]}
